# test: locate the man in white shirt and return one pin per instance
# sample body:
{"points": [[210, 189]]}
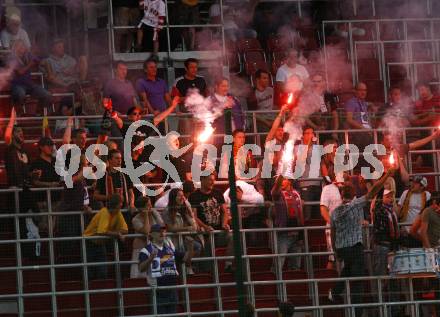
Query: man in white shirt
{"points": [[291, 68], [413, 201], [330, 199], [13, 32]]}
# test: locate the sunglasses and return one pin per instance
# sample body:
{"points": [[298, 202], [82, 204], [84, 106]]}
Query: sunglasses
{"points": [[135, 113]]}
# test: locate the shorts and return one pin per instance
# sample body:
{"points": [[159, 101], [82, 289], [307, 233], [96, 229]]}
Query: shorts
{"points": [[147, 40]]}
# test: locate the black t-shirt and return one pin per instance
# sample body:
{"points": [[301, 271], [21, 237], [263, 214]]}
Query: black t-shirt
{"points": [[182, 164], [17, 166], [48, 173], [118, 180], [182, 85], [209, 207]]}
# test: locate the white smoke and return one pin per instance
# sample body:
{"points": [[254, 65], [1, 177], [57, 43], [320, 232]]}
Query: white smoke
{"points": [[203, 110], [396, 119]]}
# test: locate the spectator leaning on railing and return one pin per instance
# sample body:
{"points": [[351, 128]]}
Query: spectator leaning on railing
{"points": [[108, 222]]}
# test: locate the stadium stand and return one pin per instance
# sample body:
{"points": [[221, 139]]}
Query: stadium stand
{"points": [[41, 275]]}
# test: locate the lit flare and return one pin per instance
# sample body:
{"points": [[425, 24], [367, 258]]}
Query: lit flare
{"points": [[290, 98], [391, 160], [206, 134]]}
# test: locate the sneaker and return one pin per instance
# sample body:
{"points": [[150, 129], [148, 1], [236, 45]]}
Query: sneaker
{"points": [[189, 270], [331, 297]]}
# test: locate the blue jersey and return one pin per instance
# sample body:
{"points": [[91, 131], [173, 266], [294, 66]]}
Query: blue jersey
{"points": [[163, 267]]}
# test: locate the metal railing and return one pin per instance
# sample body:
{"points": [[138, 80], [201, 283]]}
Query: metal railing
{"points": [[376, 23], [312, 295]]}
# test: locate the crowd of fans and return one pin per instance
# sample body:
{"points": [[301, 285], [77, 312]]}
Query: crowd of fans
{"points": [[344, 200]]}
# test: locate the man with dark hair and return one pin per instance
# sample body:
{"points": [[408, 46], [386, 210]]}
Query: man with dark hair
{"points": [[309, 189], [425, 106], [109, 222], [120, 89], [115, 182], [346, 224], [261, 97], [210, 213], [152, 89], [43, 170], [185, 84]]}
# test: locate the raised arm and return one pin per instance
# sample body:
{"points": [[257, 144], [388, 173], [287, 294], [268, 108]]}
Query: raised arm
{"points": [[276, 123], [419, 143], [377, 186], [277, 185], [67, 136], [164, 114]]}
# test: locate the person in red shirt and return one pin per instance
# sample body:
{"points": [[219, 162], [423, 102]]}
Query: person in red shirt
{"points": [[427, 107]]}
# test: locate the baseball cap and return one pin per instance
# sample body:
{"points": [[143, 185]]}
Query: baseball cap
{"points": [[420, 179], [45, 141], [157, 228]]}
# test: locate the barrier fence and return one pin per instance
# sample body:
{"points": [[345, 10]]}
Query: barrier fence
{"points": [[266, 280]]}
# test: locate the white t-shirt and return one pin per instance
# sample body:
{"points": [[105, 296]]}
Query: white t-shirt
{"points": [[415, 206], [285, 72], [330, 197], [7, 38], [250, 194], [153, 9]]}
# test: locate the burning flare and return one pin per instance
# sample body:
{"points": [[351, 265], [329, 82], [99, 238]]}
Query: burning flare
{"points": [[391, 160], [206, 134], [290, 98], [288, 152]]}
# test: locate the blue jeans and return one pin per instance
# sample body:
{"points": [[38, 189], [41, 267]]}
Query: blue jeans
{"points": [[19, 94], [292, 243], [96, 253]]}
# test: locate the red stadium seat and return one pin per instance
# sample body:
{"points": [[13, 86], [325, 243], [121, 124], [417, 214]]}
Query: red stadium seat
{"points": [[275, 44], [297, 293], [390, 30], [39, 305], [252, 67], [73, 304], [376, 91], [425, 72], [8, 279], [254, 55], [266, 292], [368, 69], [136, 302], [260, 264], [248, 44], [103, 304]]}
